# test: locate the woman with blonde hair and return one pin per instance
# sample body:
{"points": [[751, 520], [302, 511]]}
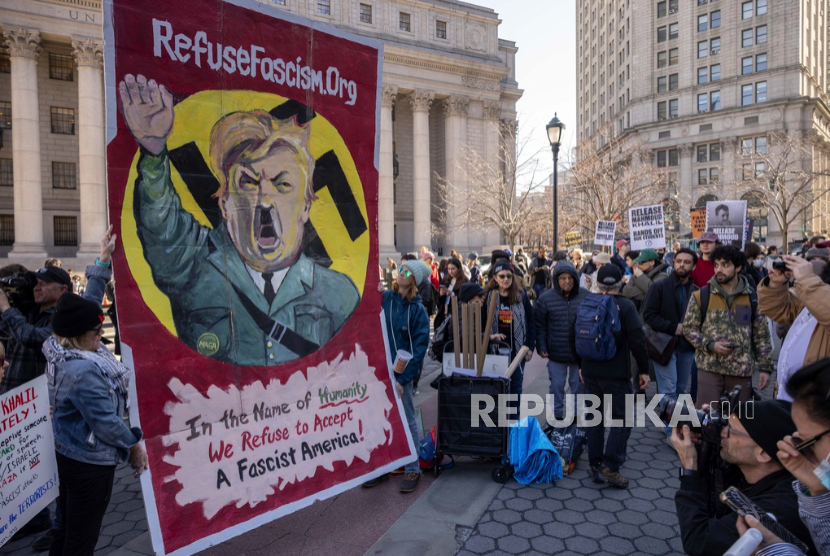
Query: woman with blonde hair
{"points": [[407, 327], [88, 392]]}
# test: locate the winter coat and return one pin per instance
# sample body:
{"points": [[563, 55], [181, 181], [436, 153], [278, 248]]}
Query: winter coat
{"points": [[728, 320], [555, 314], [407, 326], [638, 286], [630, 340], [662, 310], [783, 305]]}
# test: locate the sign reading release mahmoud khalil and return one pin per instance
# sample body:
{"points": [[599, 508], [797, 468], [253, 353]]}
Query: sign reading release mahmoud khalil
{"points": [[242, 169], [727, 219], [647, 227]]}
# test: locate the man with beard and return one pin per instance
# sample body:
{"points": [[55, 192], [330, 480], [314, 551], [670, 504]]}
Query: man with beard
{"points": [[749, 445], [242, 292], [663, 311], [728, 332]]}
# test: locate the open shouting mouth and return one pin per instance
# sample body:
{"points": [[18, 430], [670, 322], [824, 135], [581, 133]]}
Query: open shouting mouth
{"points": [[267, 227]]}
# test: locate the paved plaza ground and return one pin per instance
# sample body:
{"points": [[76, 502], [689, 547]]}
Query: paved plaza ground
{"points": [[461, 512]]}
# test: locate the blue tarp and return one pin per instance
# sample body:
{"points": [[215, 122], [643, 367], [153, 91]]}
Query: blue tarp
{"points": [[533, 456]]}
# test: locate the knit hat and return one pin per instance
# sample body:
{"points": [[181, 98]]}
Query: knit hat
{"points": [[823, 252], [502, 264], [823, 243], [647, 255], [428, 255], [54, 274], [74, 316], [468, 291], [420, 271], [609, 275], [602, 258], [473, 256], [767, 422], [620, 243]]}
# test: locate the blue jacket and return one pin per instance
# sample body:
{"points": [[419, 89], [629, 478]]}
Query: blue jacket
{"points": [[407, 326], [555, 314], [87, 415]]}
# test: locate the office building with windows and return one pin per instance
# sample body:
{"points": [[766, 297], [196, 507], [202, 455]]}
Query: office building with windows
{"points": [[448, 82], [709, 85]]}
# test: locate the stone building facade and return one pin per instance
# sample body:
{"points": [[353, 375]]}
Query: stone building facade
{"points": [[700, 80], [448, 81]]}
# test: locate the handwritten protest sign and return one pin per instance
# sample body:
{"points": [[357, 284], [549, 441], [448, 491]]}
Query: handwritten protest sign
{"points": [[573, 239], [242, 169], [28, 472], [604, 234], [698, 216], [647, 227], [728, 220]]}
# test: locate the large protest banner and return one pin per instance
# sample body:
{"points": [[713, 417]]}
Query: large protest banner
{"points": [[728, 220], [242, 171], [647, 227], [604, 234], [28, 470]]}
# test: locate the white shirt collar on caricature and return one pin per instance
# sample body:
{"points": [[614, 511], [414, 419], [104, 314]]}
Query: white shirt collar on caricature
{"points": [[276, 279]]}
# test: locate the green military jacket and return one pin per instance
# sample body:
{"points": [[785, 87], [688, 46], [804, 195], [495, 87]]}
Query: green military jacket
{"points": [[198, 267]]}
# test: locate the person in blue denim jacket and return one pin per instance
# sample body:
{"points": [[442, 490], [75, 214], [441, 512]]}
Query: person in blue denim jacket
{"points": [[88, 393], [407, 329]]}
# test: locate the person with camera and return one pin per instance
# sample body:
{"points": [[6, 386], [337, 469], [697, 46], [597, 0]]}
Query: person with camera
{"points": [[749, 445], [728, 332], [804, 308], [806, 455], [24, 336]]}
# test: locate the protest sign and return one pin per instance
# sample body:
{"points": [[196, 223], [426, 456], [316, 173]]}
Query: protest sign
{"points": [[647, 227], [604, 234], [29, 472], [573, 239], [698, 216], [242, 169], [727, 219]]}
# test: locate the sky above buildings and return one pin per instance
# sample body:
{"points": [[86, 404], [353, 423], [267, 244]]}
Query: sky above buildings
{"points": [[544, 31]]}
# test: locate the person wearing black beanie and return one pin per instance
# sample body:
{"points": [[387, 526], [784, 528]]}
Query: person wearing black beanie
{"points": [[749, 445], [88, 392]]}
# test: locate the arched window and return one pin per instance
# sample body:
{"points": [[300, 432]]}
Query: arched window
{"points": [[758, 212], [671, 212], [701, 202]]}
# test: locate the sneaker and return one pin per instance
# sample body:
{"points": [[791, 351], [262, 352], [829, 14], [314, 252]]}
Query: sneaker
{"points": [[416, 392], [613, 478], [44, 542], [376, 481], [595, 476], [410, 482]]}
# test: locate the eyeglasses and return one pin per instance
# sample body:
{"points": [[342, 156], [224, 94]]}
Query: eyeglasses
{"points": [[803, 445], [504, 276], [730, 431], [405, 272], [99, 330]]}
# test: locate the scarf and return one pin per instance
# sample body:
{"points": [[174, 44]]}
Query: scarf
{"points": [[116, 373], [518, 327]]}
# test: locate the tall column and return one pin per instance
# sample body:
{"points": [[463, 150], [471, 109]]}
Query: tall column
{"points": [[89, 57], [386, 185], [24, 48], [732, 171], [492, 153], [455, 139], [421, 102]]}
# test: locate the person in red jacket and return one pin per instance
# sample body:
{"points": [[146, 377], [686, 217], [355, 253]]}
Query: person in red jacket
{"points": [[705, 268]]}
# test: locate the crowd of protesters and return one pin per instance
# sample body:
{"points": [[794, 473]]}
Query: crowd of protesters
{"points": [[695, 321]]}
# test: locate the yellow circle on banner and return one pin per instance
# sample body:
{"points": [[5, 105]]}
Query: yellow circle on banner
{"points": [[194, 120]]}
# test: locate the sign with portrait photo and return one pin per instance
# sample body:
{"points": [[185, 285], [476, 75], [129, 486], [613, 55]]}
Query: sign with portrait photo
{"points": [[727, 219], [242, 165], [647, 227], [604, 234]]}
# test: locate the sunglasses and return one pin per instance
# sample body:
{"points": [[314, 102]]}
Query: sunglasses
{"points": [[405, 272], [804, 444], [504, 276]]}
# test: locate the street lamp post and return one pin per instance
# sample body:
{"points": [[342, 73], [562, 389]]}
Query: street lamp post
{"points": [[554, 129]]}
